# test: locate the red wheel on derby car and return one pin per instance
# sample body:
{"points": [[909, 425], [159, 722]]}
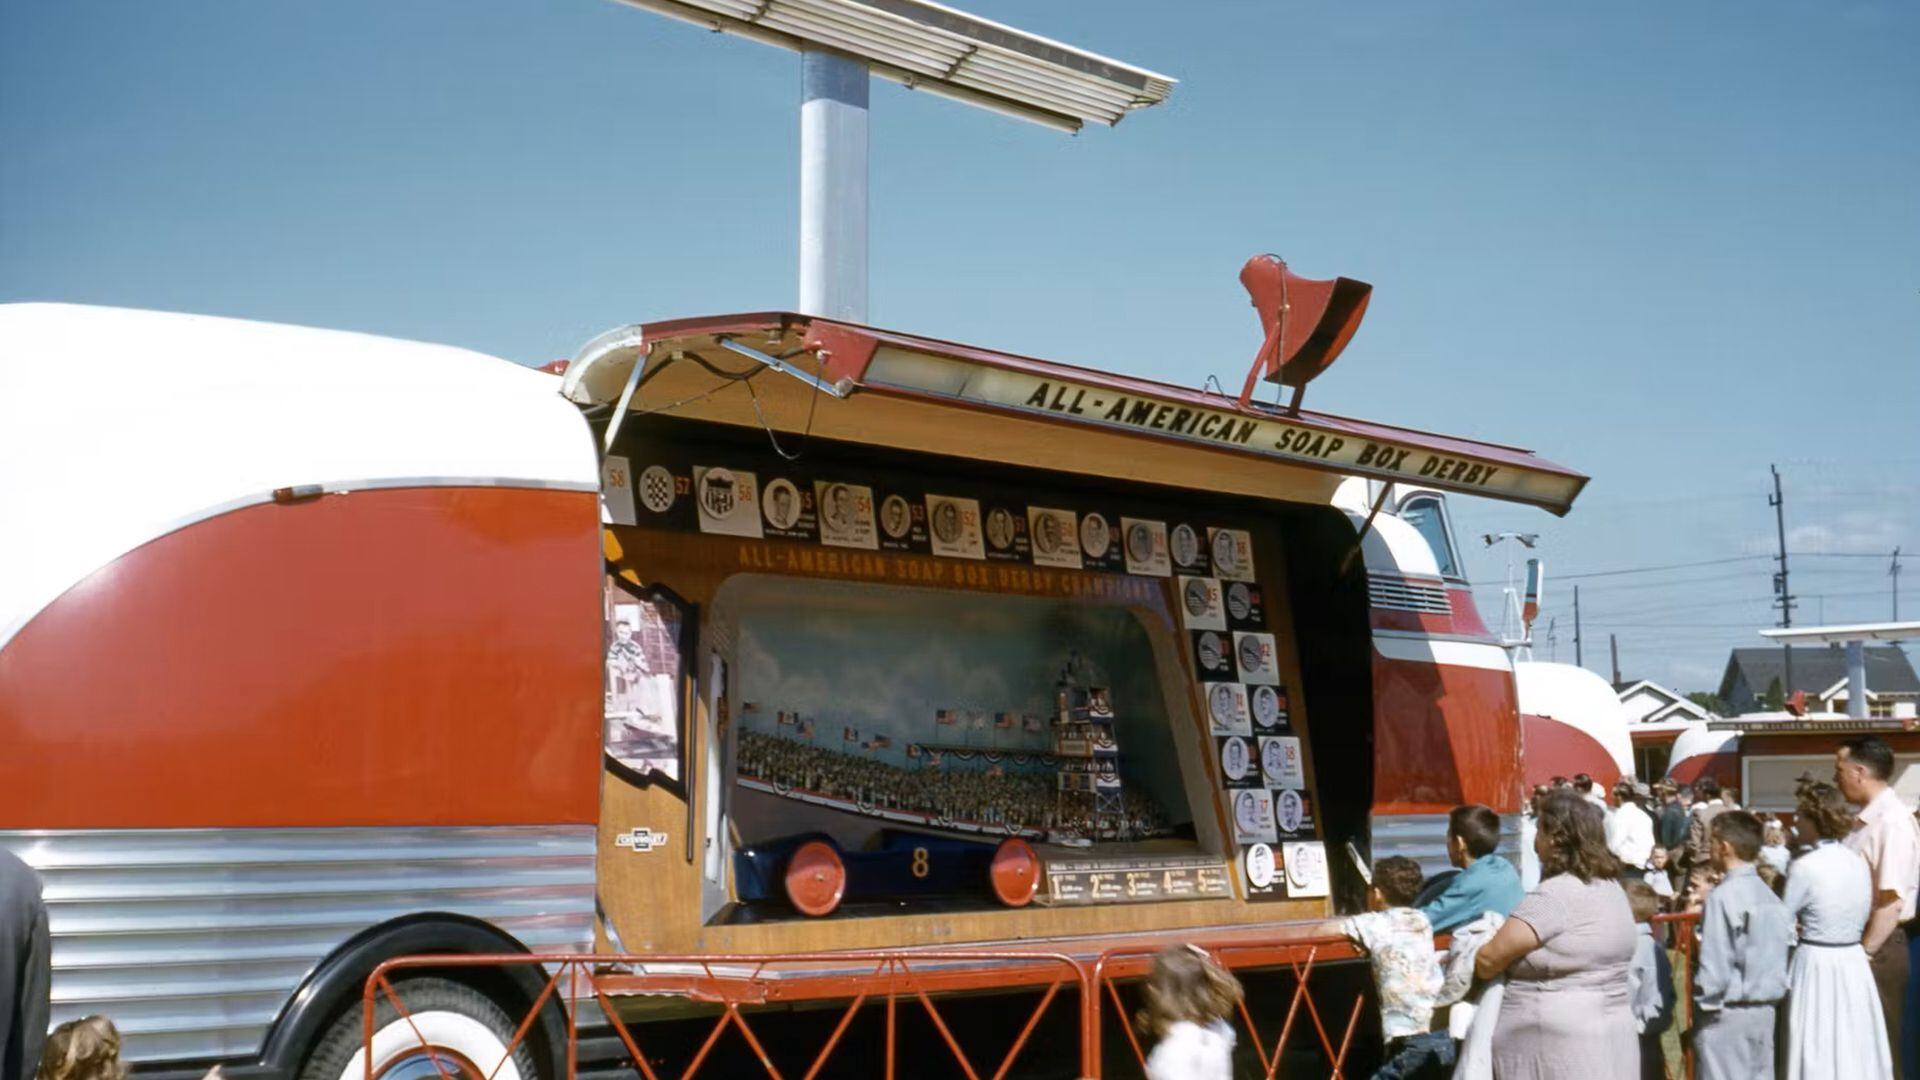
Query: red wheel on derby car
{"points": [[1015, 873], [816, 878]]}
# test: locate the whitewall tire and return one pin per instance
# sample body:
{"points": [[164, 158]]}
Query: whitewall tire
{"points": [[449, 1027]]}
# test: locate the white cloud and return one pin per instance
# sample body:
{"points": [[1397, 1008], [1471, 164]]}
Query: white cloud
{"points": [[1850, 530]]}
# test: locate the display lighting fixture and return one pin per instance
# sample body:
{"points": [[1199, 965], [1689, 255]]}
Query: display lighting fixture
{"points": [[948, 53]]}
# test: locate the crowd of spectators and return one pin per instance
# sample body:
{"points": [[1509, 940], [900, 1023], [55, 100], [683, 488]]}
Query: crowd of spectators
{"points": [[1000, 795]]}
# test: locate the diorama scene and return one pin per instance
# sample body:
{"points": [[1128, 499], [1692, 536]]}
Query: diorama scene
{"points": [[872, 716]]}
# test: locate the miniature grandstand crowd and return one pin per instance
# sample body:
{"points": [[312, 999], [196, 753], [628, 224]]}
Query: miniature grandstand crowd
{"points": [[1021, 798], [1790, 936]]}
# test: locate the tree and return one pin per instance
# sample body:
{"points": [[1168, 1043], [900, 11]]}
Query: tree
{"points": [[1710, 701], [1776, 696]]}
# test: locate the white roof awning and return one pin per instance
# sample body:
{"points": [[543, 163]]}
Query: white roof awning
{"points": [[1840, 635], [927, 46]]}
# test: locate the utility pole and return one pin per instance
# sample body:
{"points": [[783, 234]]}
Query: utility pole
{"points": [[1893, 571], [1783, 599], [1613, 646], [1578, 659]]}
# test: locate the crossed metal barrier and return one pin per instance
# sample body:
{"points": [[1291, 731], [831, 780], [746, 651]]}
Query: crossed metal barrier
{"points": [[1298, 956], [894, 981], [736, 984]]}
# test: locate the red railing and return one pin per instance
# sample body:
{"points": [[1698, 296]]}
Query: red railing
{"points": [[889, 980], [857, 978], [1682, 930]]}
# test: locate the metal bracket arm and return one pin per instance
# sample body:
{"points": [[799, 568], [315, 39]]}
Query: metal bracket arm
{"points": [[1360, 538], [626, 398], [838, 389]]}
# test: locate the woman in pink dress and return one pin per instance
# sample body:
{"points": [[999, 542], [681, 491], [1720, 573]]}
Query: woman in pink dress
{"points": [[1565, 953]]}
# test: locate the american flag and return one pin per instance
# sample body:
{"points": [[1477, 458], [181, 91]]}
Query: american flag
{"points": [[1003, 719], [803, 728], [944, 716], [880, 742]]}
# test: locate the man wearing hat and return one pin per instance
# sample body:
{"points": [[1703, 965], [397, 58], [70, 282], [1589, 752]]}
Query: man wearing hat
{"points": [[1630, 827], [1671, 828]]}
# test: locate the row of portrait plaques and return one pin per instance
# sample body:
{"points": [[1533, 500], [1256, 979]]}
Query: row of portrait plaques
{"points": [[849, 513], [1261, 761]]}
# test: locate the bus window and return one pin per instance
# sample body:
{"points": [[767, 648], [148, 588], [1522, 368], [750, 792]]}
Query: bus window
{"points": [[1428, 515]]}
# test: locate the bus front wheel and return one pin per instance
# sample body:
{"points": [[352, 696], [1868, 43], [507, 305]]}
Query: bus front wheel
{"points": [[448, 1030]]}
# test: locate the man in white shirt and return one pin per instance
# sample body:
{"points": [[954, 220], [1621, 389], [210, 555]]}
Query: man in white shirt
{"points": [[1630, 827], [1889, 839]]}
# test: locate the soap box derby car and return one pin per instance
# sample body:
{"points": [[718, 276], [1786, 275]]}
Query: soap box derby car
{"points": [[319, 648]]}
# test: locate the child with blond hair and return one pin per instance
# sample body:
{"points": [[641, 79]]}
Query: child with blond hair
{"points": [[85, 1049]]}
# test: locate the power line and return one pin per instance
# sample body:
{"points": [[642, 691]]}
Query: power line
{"points": [[1669, 566], [1662, 567], [1673, 582], [1610, 624], [1694, 605]]}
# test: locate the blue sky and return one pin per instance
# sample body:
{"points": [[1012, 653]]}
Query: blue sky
{"points": [[1666, 244]]}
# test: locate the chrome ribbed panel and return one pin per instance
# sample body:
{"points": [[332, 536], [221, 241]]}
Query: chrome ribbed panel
{"points": [[1423, 838], [192, 940], [1405, 594]]}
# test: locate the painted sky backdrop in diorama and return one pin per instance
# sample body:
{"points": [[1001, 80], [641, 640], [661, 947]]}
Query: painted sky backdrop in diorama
{"points": [[854, 656]]}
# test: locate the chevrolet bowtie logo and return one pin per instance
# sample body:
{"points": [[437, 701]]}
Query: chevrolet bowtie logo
{"points": [[640, 839]]}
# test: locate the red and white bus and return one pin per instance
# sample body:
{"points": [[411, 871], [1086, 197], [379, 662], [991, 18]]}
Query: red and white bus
{"points": [[318, 648]]}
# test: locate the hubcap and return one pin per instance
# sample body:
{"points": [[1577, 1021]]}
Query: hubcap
{"points": [[433, 1063]]}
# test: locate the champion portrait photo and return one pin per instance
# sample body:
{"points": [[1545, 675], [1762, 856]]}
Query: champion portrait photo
{"points": [[781, 503], [1095, 536], [896, 517]]}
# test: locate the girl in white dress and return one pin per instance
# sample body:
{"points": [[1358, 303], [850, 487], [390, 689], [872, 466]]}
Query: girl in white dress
{"points": [[1190, 1000], [1834, 1026]]}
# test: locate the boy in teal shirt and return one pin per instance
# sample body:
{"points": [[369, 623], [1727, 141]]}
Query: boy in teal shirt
{"points": [[1486, 882]]}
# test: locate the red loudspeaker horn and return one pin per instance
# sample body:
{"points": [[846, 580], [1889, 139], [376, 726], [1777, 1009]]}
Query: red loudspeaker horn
{"points": [[1306, 322]]}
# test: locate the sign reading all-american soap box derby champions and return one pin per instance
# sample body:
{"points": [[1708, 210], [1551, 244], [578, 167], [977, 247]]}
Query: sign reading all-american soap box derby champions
{"points": [[1207, 567]]}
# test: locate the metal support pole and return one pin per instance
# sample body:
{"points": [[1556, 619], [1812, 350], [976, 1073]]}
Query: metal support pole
{"points": [[1856, 680], [833, 185], [1778, 501], [1579, 657], [1893, 571]]}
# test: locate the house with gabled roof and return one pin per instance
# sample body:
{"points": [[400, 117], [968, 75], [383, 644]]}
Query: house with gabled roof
{"points": [[1647, 702], [1656, 716], [1893, 689]]}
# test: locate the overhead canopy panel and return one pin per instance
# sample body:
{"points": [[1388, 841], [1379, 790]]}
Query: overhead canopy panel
{"points": [[799, 375], [927, 46]]}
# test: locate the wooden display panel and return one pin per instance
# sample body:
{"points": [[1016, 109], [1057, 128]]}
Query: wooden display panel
{"points": [[659, 897]]}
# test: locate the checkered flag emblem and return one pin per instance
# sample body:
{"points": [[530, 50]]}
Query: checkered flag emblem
{"points": [[656, 489]]}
